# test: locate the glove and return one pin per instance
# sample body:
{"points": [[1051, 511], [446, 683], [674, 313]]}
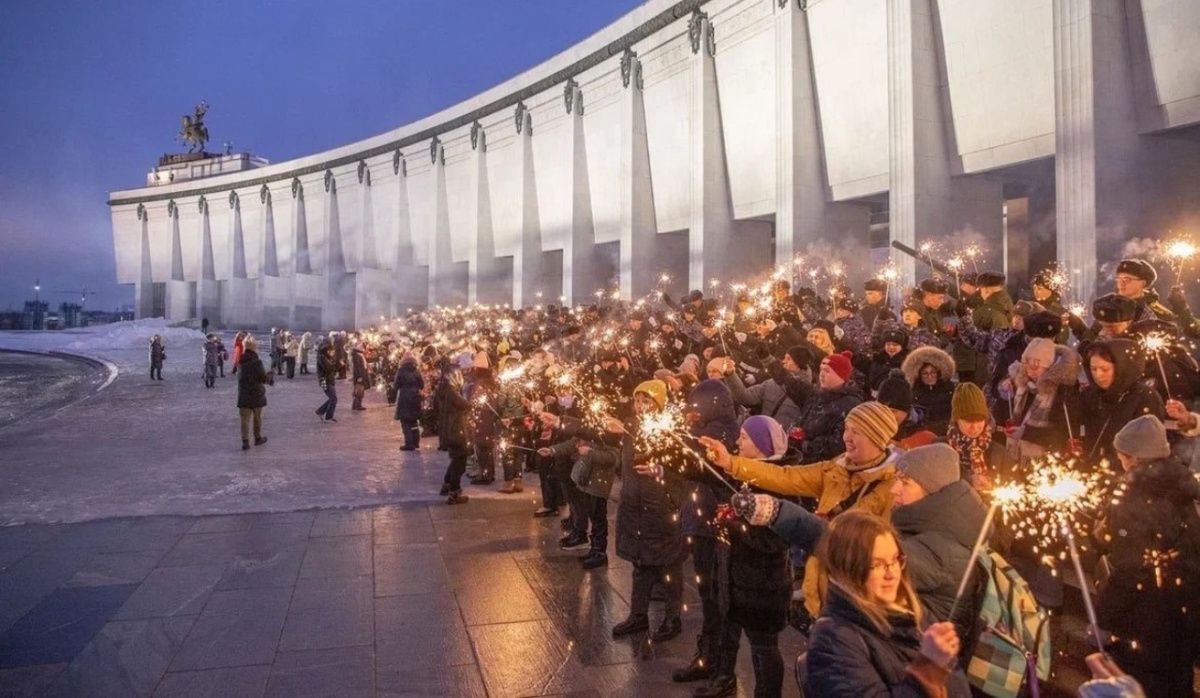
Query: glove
{"points": [[1176, 301], [756, 509]]}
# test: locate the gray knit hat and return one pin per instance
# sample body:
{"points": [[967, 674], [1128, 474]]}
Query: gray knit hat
{"points": [[932, 467], [1144, 438]]}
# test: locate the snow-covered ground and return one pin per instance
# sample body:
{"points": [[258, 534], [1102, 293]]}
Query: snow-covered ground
{"points": [[141, 447]]}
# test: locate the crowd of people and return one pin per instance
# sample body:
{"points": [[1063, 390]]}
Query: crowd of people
{"points": [[827, 462]]}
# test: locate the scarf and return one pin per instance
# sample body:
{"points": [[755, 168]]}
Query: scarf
{"points": [[972, 453]]}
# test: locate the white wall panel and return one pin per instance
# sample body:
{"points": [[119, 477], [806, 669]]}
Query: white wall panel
{"points": [[746, 85], [667, 102]]}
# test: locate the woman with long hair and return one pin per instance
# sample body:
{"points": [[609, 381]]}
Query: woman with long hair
{"points": [[871, 638]]}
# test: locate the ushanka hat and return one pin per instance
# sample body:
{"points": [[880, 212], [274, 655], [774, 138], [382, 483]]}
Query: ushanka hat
{"points": [[1043, 323], [990, 279], [934, 285], [1114, 308], [1138, 268], [1026, 308], [875, 285]]}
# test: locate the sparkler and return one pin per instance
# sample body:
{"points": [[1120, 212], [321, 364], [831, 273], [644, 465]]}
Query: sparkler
{"points": [[1177, 253], [667, 425], [1155, 343]]}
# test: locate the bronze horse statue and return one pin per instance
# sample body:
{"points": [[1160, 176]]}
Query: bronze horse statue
{"points": [[192, 130]]}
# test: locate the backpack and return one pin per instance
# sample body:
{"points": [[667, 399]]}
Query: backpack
{"points": [[1015, 636]]}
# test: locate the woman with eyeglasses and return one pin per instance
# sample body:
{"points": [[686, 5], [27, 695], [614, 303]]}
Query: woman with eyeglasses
{"points": [[872, 638]]}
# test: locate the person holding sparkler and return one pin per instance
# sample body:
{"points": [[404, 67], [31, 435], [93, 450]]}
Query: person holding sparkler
{"points": [[1170, 367], [992, 312], [1135, 280], [1039, 398], [875, 308], [409, 387], [873, 636], [1047, 287], [1003, 346], [1114, 314], [1115, 396], [769, 397], [453, 409], [1150, 535], [648, 532], [860, 478]]}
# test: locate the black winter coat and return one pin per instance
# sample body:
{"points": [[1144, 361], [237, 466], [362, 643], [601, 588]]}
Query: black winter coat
{"points": [[648, 528], [408, 385], [935, 400], [881, 365], [452, 415], [327, 368], [1105, 412], [849, 658], [937, 534], [823, 421], [716, 418], [252, 381], [1157, 513]]}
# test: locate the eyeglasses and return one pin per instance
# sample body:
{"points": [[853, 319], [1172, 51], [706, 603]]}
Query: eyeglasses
{"points": [[879, 566], [1123, 279]]}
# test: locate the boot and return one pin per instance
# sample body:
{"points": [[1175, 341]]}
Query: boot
{"points": [[544, 512], [445, 489], [260, 441], [457, 497], [513, 486], [720, 686], [701, 666], [245, 445], [668, 630], [595, 559], [630, 626], [573, 540]]}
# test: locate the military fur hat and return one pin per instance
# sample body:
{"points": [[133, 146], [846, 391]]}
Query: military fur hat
{"points": [[1138, 268], [990, 278], [934, 285], [1114, 308], [876, 285], [1043, 324]]}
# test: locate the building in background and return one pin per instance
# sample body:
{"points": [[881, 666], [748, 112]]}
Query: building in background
{"points": [[710, 140]]}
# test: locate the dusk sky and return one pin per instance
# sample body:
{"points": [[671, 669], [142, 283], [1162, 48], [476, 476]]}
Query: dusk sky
{"points": [[92, 94]]}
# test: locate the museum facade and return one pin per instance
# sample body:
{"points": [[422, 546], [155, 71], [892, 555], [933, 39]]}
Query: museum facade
{"points": [[708, 139]]}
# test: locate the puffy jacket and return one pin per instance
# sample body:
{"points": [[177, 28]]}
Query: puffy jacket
{"points": [[1156, 513], [1105, 412], [848, 657], [769, 397], [452, 414], [252, 381], [408, 385], [937, 534], [824, 420]]}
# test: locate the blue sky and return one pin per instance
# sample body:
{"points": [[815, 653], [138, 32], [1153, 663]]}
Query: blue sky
{"points": [[91, 94]]}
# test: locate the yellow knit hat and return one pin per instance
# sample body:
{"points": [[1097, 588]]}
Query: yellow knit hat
{"points": [[656, 389], [874, 421]]}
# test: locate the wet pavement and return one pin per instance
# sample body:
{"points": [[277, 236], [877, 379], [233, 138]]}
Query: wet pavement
{"points": [[408, 599], [34, 385]]}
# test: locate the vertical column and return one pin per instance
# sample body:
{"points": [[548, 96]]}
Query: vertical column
{"points": [[924, 198], [715, 247], [208, 299], [237, 238], [803, 213], [410, 283], [338, 305], [368, 244], [239, 296], [639, 226], [180, 301], [301, 259], [335, 260], [486, 276], [530, 261], [143, 290], [581, 274], [447, 278], [1099, 164], [176, 243]]}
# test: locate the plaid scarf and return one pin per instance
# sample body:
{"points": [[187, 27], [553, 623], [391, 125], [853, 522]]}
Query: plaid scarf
{"points": [[972, 453]]}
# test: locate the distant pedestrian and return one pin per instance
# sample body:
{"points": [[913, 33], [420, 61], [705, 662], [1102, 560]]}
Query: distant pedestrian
{"points": [[212, 356], [204, 326], [327, 378], [305, 347], [361, 376], [291, 349], [238, 339], [158, 355], [252, 393], [222, 355], [409, 387]]}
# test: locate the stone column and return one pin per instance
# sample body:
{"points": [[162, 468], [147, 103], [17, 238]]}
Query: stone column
{"points": [[208, 296], [925, 199], [410, 283], [368, 246], [338, 305], [447, 278], [639, 226], [239, 294], [718, 248], [180, 300], [803, 212], [143, 290], [489, 278], [581, 273], [530, 266]]}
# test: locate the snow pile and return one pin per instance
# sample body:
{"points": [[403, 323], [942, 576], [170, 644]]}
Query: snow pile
{"points": [[133, 334]]}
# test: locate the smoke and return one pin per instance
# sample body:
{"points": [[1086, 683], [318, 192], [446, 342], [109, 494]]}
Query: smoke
{"points": [[1141, 248]]}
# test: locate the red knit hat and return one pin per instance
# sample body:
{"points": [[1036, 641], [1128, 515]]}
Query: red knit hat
{"points": [[840, 363]]}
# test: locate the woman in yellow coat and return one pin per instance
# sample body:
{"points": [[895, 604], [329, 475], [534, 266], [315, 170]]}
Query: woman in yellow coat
{"points": [[860, 479]]}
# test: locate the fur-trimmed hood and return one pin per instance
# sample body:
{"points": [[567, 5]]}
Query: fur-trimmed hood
{"points": [[1063, 372], [933, 356]]}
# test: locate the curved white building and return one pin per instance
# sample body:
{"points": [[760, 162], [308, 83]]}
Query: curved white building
{"points": [[708, 139]]}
